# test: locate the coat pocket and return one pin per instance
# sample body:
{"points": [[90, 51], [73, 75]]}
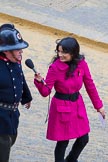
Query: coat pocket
{"points": [[64, 113]]}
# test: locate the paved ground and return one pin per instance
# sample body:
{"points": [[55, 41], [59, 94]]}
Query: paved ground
{"points": [[87, 18]]}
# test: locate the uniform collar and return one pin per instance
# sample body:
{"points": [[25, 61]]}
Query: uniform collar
{"points": [[7, 60], [4, 58]]}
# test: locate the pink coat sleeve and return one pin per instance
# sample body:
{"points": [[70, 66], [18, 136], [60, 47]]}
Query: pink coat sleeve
{"points": [[91, 88], [45, 90]]}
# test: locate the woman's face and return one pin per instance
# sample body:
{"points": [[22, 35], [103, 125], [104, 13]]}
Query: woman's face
{"points": [[64, 57]]}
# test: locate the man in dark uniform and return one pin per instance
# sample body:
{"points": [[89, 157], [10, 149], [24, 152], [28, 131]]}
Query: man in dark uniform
{"points": [[13, 87]]}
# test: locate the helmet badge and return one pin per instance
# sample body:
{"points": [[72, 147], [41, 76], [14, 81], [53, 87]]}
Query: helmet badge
{"points": [[19, 36]]}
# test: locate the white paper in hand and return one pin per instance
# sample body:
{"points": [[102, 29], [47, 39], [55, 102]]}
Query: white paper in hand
{"points": [[102, 121]]}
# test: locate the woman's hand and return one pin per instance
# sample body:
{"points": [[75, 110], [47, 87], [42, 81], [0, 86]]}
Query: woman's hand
{"points": [[102, 112], [38, 77]]}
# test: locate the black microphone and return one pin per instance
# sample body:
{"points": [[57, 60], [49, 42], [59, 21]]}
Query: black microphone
{"points": [[29, 63]]}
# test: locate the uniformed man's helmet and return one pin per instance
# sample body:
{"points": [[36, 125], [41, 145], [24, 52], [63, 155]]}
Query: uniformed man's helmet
{"points": [[10, 38]]}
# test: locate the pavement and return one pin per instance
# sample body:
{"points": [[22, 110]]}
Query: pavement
{"points": [[85, 18]]}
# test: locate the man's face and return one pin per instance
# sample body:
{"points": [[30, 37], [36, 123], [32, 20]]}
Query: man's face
{"points": [[15, 55]]}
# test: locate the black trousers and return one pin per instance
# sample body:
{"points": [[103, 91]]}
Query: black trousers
{"points": [[6, 142], [76, 150]]}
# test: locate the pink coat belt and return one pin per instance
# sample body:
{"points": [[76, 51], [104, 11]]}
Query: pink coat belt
{"points": [[70, 97]]}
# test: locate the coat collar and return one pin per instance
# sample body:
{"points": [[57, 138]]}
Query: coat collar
{"points": [[61, 65]]}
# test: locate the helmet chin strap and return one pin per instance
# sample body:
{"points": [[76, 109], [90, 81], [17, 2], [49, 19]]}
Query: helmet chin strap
{"points": [[15, 58]]}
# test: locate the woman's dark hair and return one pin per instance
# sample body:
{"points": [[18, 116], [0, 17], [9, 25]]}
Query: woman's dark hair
{"points": [[71, 46]]}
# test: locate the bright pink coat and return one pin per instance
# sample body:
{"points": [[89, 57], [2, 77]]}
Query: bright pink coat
{"points": [[67, 119]]}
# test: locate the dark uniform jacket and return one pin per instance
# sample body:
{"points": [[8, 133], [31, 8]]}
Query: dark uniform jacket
{"points": [[13, 89]]}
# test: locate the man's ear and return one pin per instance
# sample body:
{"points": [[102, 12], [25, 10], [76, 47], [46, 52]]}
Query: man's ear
{"points": [[5, 52]]}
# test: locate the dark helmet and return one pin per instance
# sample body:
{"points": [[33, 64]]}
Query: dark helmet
{"points": [[10, 38]]}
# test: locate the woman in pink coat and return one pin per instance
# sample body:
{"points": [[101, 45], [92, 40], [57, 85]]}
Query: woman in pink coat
{"points": [[67, 115]]}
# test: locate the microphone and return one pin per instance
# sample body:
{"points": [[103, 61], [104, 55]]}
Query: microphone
{"points": [[30, 64]]}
